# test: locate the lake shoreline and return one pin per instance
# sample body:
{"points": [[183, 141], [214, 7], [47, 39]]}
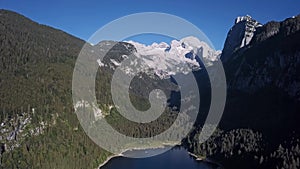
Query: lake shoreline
{"points": [[204, 159], [197, 158], [108, 159], [132, 149]]}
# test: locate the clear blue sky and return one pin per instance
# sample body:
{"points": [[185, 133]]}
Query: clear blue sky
{"points": [[214, 17]]}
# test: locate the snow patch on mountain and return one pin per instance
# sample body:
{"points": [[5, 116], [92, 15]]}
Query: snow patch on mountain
{"points": [[250, 28]]}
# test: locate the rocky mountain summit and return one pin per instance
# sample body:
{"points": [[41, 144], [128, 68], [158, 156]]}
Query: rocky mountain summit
{"points": [[240, 35]]}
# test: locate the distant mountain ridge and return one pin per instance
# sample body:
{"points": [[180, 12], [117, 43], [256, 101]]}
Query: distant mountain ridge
{"points": [[164, 60]]}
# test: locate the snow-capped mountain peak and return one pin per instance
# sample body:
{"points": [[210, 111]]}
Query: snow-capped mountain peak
{"points": [[180, 56], [243, 18]]}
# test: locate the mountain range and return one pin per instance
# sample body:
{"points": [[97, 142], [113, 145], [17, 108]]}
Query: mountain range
{"points": [[259, 126]]}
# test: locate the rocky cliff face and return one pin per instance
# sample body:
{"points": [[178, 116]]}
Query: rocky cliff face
{"points": [[240, 35], [286, 28], [271, 59]]}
